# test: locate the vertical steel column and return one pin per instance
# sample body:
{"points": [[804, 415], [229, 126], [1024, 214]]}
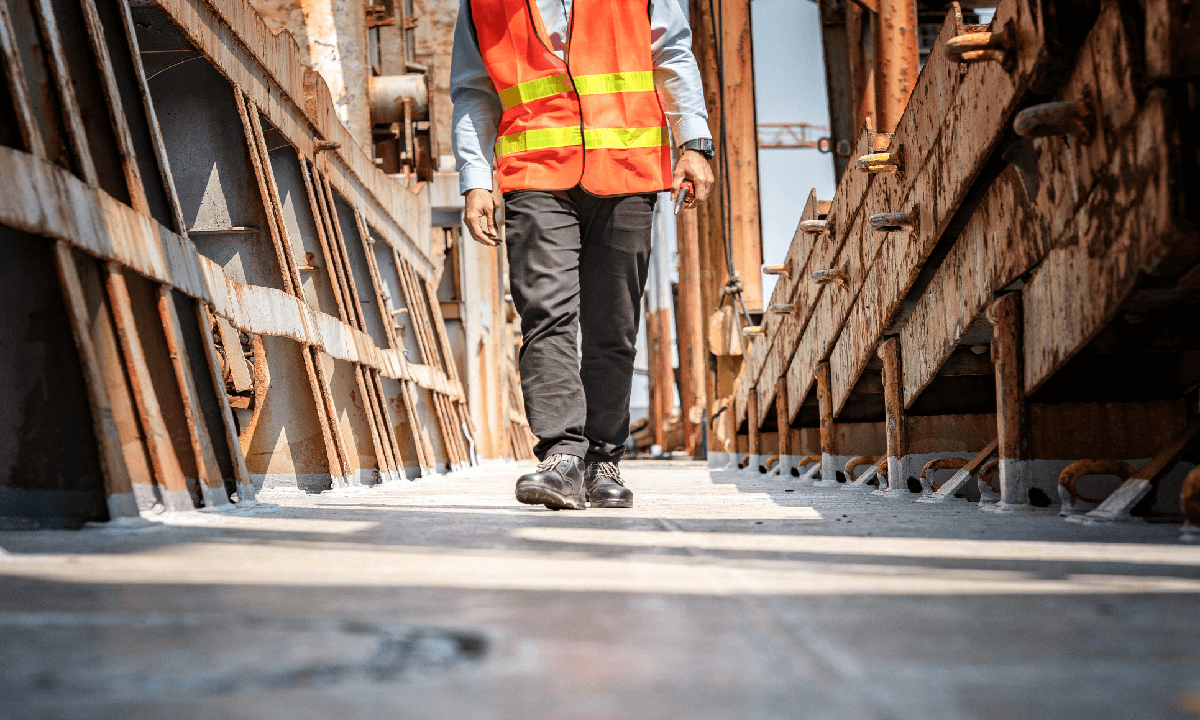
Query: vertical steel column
{"points": [[689, 333], [754, 449], [825, 406], [784, 445], [168, 474], [725, 55], [1011, 415], [896, 422], [896, 59]]}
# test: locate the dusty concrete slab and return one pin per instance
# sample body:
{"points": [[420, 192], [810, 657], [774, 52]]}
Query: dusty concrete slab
{"points": [[720, 595]]}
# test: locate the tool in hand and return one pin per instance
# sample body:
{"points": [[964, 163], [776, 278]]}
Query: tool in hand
{"points": [[687, 193]]}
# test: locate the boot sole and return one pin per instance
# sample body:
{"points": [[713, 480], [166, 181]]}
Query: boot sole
{"points": [[612, 504], [542, 495]]}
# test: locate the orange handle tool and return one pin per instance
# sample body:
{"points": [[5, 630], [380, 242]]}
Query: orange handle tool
{"points": [[687, 193]]}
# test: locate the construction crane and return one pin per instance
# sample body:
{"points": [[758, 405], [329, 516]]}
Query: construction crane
{"points": [[792, 135]]}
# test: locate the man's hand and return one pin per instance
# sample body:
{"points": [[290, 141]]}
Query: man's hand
{"points": [[480, 216], [691, 166]]}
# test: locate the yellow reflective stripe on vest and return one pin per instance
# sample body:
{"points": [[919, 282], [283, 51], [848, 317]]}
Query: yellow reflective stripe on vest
{"points": [[534, 90], [639, 81], [538, 140], [623, 138]]}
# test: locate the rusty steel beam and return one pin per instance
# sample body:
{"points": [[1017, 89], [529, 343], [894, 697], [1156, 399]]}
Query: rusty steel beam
{"points": [[896, 60], [689, 333]]}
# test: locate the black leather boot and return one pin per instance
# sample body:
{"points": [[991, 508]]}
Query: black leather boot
{"points": [[604, 487], [557, 483]]}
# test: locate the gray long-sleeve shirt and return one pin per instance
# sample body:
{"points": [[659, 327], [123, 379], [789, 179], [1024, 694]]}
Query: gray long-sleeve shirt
{"points": [[477, 107]]}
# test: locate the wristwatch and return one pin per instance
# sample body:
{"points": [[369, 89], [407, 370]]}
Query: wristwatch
{"points": [[704, 146]]}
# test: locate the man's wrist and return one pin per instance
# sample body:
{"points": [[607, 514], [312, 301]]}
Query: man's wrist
{"points": [[704, 146]]}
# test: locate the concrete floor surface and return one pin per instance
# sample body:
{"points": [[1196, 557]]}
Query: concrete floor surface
{"points": [[720, 595]]}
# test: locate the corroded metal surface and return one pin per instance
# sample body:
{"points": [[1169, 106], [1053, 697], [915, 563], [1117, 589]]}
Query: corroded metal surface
{"points": [[1042, 170], [252, 301]]}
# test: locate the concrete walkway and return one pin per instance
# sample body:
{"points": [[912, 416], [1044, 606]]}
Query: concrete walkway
{"points": [[721, 595]]}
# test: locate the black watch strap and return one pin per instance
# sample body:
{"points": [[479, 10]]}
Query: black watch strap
{"points": [[704, 146]]}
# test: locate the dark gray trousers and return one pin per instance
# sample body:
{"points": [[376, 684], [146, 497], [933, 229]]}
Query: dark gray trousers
{"points": [[577, 264]]}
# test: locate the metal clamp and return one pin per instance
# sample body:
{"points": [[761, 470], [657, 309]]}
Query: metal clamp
{"points": [[894, 222], [1073, 473], [875, 461], [1074, 117], [977, 47], [815, 227], [987, 473], [833, 275], [948, 463], [880, 162]]}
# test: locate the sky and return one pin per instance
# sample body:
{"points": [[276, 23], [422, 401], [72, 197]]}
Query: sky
{"points": [[789, 76]]}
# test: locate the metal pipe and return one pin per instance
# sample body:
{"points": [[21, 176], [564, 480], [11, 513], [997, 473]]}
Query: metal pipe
{"points": [[387, 94], [1076, 118]]}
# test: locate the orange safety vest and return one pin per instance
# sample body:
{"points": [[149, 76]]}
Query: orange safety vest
{"points": [[594, 120]]}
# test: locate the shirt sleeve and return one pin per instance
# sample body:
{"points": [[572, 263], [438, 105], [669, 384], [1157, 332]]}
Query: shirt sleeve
{"points": [[477, 107], [676, 76]]}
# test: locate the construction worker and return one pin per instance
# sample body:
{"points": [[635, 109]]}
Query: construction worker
{"points": [[576, 98]]}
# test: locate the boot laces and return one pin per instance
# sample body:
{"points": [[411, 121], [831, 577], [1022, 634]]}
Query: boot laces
{"points": [[552, 461], [609, 470]]}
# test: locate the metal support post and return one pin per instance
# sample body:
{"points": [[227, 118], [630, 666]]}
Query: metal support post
{"points": [[1011, 414], [896, 422], [825, 406]]}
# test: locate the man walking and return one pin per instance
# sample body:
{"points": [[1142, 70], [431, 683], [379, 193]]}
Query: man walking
{"points": [[576, 98]]}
